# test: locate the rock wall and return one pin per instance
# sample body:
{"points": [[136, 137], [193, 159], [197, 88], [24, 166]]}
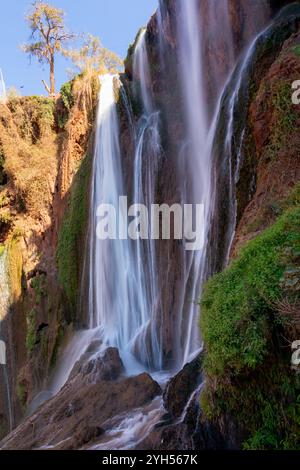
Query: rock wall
{"points": [[42, 144]]}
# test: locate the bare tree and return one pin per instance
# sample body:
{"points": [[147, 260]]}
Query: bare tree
{"points": [[93, 56], [48, 36]]}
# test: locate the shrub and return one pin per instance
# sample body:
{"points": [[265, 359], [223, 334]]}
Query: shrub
{"points": [[247, 359]]}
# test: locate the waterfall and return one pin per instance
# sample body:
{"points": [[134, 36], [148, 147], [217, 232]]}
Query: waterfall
{"points": [[155, 327], [4, 310], [125, 301], [147, 345], [122, 291], [196, 153], [111, 293], [195, 67], [228, 145]]}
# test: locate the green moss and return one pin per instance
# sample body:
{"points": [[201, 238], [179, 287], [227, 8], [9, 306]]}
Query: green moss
{"points": [[293, 199], [71, 236], [131, 49], [21, 393], [296, 50], [58, 342], [38, 283], [285, 119], [253, 381], [31, 331]]}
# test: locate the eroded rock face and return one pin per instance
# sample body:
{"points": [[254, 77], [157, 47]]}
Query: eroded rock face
{"points": [[174, 168], [37, 168], [106, 367], [76, 415], [180, 388], [272, 146], [184, 425]]}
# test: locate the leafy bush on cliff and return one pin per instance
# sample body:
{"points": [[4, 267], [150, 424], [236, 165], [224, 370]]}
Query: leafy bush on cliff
{"points": [[248, 337], [68, 101], [28, 147]]}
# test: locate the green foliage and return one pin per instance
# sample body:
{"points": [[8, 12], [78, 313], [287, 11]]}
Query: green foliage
{"points": [[235, 303], [253, 381], [34, 116], [21, 393], [284, 119], [293, 199], [5, 218], [296, 50], [38, 283], [4, 199], [71, 235], [67, 95], [31, 331], [58, 342]]}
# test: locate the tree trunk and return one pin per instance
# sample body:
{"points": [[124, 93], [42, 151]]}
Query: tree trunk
{"points": [[52, 79]]}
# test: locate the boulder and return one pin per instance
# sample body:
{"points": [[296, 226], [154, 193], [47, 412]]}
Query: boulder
{"points": [[181, 386], [76, 415]]}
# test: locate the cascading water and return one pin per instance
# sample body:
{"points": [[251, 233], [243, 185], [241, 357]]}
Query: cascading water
{"points": [[196, 151], [193, 35], [228, 145], [125, 305], [125, 318]]}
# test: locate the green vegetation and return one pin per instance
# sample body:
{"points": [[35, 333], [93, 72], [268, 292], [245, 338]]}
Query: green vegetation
{"points": [[34, 116], [296, 50], [68, 100], [21, 393], [29, 145], [59, 338], [31, 331], [284, 119], [71, 237], [38, 283], [67, 95], [248, 357], [5, 218]]}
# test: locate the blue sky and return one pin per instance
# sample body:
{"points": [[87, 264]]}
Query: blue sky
{"points": [[116, 22]]}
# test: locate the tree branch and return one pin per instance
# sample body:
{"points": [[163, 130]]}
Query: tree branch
{"points": [[47, 87]]}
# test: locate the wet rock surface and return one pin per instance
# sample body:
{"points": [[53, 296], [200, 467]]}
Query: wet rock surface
{"points": [[184, 425], [181, 386], [75, 416], [107, 366]]}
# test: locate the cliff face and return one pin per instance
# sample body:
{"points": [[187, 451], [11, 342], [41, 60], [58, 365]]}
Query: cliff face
{"points": [[42, 144], [250, 311], [165, 86], [45, 162], [266, 124]]}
